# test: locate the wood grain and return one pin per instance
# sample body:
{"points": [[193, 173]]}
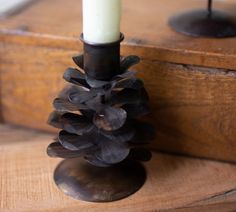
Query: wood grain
{"points": [[173, 182], [27, 92], [193, 108], [209, 208], [1, 111], [150, 37]]}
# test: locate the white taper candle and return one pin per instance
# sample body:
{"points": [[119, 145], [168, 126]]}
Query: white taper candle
{"points": [[101, 20]]}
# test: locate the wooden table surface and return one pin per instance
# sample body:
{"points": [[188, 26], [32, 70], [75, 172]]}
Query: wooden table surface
{"points": [[174, 183]]}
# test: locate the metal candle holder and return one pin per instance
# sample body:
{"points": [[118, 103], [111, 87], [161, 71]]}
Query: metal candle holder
{"points": [[98, 117], [205, 23]]}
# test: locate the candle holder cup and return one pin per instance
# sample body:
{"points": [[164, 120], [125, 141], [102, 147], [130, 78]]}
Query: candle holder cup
{"points": [[98, 114], [100, 59], [205, 23]]}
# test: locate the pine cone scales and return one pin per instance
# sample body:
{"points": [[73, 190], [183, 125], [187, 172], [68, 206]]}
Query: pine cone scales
{"points": [[98, 118]]}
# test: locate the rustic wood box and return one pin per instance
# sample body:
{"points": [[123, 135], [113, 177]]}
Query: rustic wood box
{"points": [[191, 81]]}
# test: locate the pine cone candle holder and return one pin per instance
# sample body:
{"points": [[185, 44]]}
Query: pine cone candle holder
{"points": [[100, 122]]}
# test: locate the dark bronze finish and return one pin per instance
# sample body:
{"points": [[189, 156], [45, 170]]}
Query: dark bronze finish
{"points": [[104, 140], [102, 61], [205, 23], [83, 181]]}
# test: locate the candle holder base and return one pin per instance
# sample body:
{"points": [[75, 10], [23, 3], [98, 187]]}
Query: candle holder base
{"points": [[201, 23], [86, 182]]}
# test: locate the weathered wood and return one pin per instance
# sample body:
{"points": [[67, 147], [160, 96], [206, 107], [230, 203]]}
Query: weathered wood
{"points": [[27, 92], [209, 208], [145, 27], [1, 111], [173, 182], [193, 109]]}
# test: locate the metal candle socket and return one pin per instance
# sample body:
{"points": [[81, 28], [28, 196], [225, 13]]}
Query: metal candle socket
{"points": [[102, 61]]}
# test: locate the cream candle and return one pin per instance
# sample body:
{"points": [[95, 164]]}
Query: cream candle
{"points": [[101, 20]]}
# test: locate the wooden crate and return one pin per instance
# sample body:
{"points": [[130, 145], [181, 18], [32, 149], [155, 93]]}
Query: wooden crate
{"points": [[191, 81]]}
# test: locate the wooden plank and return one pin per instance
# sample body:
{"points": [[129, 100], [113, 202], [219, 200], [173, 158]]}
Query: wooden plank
{"points": [[1, 111], [193, 108], [173, 182], [149, 37], [29, 83]]}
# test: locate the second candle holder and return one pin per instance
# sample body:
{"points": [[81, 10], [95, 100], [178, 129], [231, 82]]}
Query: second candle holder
{"points": [[205, 23], [99, 117]]}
